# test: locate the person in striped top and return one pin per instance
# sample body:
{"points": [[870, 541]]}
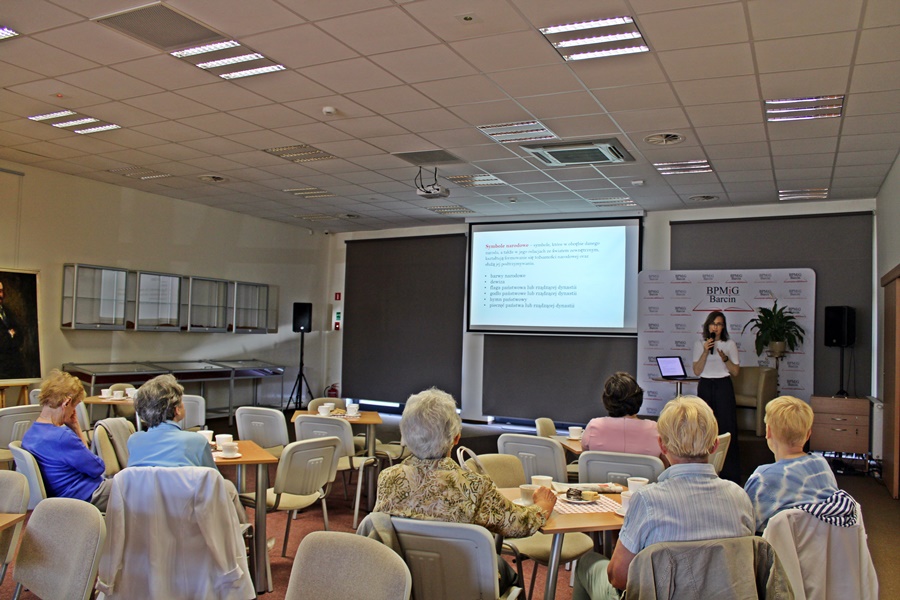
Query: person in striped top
{"points": [[795, 478]]}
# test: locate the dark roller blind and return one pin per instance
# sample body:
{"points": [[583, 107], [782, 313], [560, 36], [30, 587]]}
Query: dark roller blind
{"points": [[559, 377], [837, 247], [403, 322]]}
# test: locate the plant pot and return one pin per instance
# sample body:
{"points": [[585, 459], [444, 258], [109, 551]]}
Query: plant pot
{"points": [[776, 349]]}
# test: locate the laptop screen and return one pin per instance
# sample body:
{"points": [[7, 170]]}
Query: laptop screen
{"points": [[670, 366]]}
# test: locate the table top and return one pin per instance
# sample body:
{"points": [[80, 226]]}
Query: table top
{"points": [[113, 401], [571, 523], [7, 520], [689, 379], [251, 454], [366, 417], [570, 444]]}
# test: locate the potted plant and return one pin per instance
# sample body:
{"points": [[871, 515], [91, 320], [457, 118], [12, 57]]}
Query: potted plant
{"points": [[775, 329]]}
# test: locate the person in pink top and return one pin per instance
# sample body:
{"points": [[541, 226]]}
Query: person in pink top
{"points": [[622, 430]]}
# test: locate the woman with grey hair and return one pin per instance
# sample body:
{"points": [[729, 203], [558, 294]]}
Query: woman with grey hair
{"points": [[164, 444], [429, 485]]}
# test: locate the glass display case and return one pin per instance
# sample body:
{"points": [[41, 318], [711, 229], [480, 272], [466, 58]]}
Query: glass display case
{"points": [[158, 302], [94, 297], [207, 305], [249, 307]]}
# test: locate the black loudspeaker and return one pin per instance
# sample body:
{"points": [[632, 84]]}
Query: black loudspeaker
{"points": [[840, 326], [302, 316]]}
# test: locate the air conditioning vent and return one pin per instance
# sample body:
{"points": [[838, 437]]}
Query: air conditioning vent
{"points": [[604, 151]]}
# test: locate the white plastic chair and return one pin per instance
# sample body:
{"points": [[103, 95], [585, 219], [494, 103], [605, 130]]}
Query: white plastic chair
{"points": [[376, 568], [265, 426], [717, 458], [56, 560], [13, 500], [617, 467], [34, 396], [304, 474], [450, 560], [27, 465], [194, 412], [14, 422], [309, 427], [539, 456]]}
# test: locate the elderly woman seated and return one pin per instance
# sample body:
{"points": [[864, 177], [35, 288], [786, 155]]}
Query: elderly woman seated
{"points": [[159, 404], [430, 485], [69, 469], [622, 430]]}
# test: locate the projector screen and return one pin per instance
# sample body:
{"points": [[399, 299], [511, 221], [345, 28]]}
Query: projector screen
{"points": [[558, 277]]}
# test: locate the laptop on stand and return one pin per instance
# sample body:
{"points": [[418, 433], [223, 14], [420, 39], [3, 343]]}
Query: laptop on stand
{"points": [[671, 367]]}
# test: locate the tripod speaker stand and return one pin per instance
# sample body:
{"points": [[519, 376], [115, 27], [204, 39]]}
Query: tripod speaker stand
{"points": [[302, 324]]}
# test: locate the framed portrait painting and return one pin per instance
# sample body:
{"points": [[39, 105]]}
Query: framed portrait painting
{"points": [[20, 352]]}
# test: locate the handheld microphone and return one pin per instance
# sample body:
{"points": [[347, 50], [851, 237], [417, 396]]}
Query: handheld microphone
{"points": [[711, 336]]}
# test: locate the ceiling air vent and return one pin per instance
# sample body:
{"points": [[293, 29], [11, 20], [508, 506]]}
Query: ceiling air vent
{"points": [[605, 151], [161, 26]]}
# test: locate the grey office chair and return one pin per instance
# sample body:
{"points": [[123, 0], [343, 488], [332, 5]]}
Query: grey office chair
{"points": [[13, 500], [194, 412], [14, 422], [28, 466], [539, 456], [617, 467], [717, 458], [265, 426]]}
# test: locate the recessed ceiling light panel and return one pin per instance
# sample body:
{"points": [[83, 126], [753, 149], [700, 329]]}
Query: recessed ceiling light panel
{"points": [[309, 193], [55, 115], [522, 131], [687, 167], [804, 109], [109, 127], [803, 194], [475, 180], [300, 153], [6, 33], [596, 39]]}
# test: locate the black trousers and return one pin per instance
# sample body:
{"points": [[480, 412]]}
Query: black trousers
{"points": [[719, 394]]}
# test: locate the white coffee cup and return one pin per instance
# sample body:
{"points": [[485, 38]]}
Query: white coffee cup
{"points": [[353, 409], [324, 410], [130, 392], [208, 434], [626, 500], [576, 432], [223, 438], [105, 393], [527, 490], [542, 480], [229, 449], [636, 483], [330, 405], [119, 394]]}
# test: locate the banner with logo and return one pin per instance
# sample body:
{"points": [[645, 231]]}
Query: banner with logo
{"points": [[674, 304]]}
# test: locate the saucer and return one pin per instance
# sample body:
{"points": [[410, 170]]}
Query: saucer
{"points": [[573, 501], [620, 511], [578, 439], [107, 397], [222, 455]]}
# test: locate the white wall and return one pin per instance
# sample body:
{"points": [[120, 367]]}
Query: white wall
{"points": [[58, 219], [887, 207]]}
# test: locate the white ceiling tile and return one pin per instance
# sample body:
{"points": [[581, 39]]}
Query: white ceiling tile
{"points": [[477, 153], [313, 133], [731, 134], [316, 9], [800, 161], [424, 64], [223, 96], [771, 19], [692, 27], [133, 157], [614, 71], [543, 14], [429, 120], [879, 45], [663, 119], [31, 16], [174, 152], [719, 90], [881, 12], [549, 79], [380, 30], [872, 141], [349, 148], [562, 105], [400, 143], [391, 100], [878, 171], [351, 75], [876, 77], [787, 130], [582, 127], [166, 72], [871, 103], [864, 157], [170, 105], [724, 165], [262, 139], [508, 51], [114, 84], [456, 137], [463, 90], [637, 97], [216, 146], [345, 107], [807, 146], [271, 116], [50, 150], [365, 127], [748, 175], [11, 75], [129, 138], [284, 86], [649, 6], [871, 124], [213, 163], [708, 62], [489, 18], [491, 113], [172, 131], [58, 93], [808, 52], [300, 46], [800, 84], [238, 18], [736, 113]]}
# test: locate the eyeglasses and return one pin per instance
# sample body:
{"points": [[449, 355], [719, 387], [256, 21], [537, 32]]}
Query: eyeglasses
{"points": [[717, 324]]}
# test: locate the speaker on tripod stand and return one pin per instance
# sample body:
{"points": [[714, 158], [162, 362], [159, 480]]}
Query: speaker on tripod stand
{"points": [[302, 324], [840, 331]]}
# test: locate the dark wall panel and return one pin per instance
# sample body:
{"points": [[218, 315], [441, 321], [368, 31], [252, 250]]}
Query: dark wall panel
{"points": [[403, 322], [559, 377], [837, 247]]}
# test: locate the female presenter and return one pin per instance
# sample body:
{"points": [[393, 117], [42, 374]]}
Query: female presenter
{"points": [[716, 360]]}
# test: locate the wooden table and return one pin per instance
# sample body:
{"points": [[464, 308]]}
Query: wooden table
{"points": [[558, 525], [8, 520], [570, 444], [370, 419], [252, 454]]}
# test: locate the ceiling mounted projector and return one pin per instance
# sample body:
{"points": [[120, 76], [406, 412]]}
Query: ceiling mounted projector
{"points": [[433, 191]]}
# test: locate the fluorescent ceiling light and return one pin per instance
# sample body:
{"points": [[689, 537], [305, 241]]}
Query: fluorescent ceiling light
{"points": [[475, 180], [56, 115], [807, 194], [804, 109], [773, 111], [6, 33], [523, 131], [683, 168], [602, 53], [96, 129], [804, 100], [76, 122], [602, 39], [251, 72], [804, 117], [586, 25], [230, 61], [204, 49], [309, 193]]}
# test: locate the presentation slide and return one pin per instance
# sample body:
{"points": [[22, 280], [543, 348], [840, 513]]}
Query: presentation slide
{"points": [[554, 276]]}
